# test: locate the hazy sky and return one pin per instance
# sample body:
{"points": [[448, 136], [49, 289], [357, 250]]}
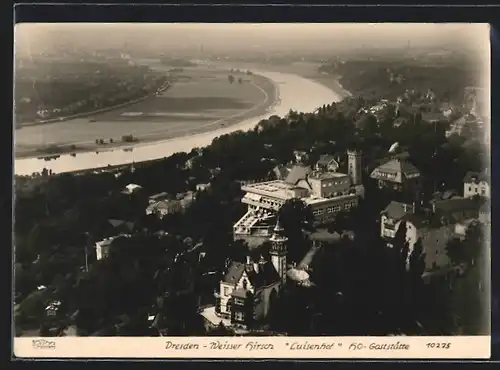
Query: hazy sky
{"points": [[278, 36]]}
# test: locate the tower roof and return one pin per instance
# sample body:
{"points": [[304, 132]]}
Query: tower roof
{"points": [[278, 228]]}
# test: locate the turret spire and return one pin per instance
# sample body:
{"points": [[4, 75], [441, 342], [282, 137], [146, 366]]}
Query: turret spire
{"points": [[278, 229]]}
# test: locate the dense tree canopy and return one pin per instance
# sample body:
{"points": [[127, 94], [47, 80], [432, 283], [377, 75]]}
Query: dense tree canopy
{"points": [[59, 218]]}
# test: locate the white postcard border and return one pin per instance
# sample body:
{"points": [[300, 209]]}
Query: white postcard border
{"points": [[397, 347]]}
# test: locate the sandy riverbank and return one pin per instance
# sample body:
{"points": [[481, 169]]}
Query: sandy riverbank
{"points": [[176, 113], [295, 92]]}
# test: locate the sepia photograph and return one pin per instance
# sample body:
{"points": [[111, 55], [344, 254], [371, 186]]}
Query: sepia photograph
{"points": [[251, 180]]}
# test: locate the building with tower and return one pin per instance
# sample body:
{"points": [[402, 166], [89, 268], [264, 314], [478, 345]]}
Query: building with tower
{"points": [[321, 187], [249, 290]]}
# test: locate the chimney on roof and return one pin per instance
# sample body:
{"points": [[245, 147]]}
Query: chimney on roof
{"points": [[414, 207], [404, 207], [249, 260]]}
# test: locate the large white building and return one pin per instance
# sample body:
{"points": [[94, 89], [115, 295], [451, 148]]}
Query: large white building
{"points": [[325, 191], [476, 184]]}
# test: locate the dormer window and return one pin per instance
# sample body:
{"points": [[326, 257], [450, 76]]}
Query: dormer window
{"points": [[245, 284]]}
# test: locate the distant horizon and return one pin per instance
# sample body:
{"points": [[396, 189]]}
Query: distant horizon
{"points": [[230, 37]]}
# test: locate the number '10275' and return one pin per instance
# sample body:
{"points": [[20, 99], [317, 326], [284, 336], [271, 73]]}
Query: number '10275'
{"points": [[438, 345]]}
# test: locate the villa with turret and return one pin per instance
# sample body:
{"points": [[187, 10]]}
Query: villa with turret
{"points": [[248, 291]]}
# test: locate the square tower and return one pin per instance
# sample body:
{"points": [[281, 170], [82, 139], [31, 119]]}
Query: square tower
{"points": [[354, 166]]}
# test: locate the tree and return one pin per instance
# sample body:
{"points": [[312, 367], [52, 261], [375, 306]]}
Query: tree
{"points": [[296, 216]]}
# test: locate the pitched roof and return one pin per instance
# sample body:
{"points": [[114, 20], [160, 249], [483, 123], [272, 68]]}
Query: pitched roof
{"points": [[158, 196], [234, 273], [476, 177], [159, 205], [449, 193], [117, 223], [397, 210], [298, 173], [417, 219], [325, 159], [456, 205], [266, 274], [396, 166], [281, 171]]}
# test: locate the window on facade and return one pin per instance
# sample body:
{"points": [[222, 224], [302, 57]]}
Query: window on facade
{"points": [[226, 291], [245, 284], [483, 192], [470, 188], [238, 316]]}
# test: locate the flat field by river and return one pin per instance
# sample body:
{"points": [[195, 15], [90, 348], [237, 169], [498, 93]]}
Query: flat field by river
{"points": [[307, 70], [200, 99]]}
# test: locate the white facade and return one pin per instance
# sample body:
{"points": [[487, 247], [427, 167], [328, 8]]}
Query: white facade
{"points": [[389, 227], [226, 289], [481, 188], [102, 249]]}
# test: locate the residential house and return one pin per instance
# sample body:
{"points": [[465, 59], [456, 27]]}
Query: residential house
{"points": [[186, 199], [164, 207], [476, 184], [257, 282], [397, 174], [434, 226], [53, 308], [249, 290], [456, 209], [327, 163], [394, 214], [102, 248], [469, 121]]}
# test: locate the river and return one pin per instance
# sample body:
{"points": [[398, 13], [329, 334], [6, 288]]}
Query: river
{"points": [[295, 93]]}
